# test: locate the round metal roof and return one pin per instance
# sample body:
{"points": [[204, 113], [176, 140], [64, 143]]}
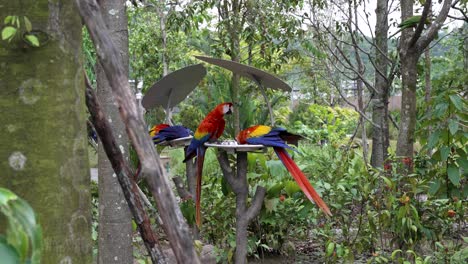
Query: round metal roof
{"points": [[174, 87], [264, 78]]}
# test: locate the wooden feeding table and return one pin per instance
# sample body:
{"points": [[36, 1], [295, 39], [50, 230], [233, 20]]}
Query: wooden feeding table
{"points": [[237, 179], [177, 143]]}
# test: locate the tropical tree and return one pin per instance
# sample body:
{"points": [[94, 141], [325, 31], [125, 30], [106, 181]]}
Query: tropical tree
{"points": [[44, 143]]}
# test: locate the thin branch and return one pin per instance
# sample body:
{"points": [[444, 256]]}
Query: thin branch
{"points": [[422, 22], [426, 38], [256, 205], [184, 194]]}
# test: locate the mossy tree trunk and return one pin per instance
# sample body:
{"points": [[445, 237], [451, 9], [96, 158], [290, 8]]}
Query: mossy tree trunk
{"points": [[43, 147], [115, 221]]}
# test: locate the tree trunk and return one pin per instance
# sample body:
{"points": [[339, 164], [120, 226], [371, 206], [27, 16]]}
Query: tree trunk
{"points": [[359, 82], [380, 135], [43, 124], [412, 45], [409, 76], [115, 221]]}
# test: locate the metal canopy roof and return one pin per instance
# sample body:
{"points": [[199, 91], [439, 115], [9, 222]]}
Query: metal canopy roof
{"points": [[261, 77], [174, 87]]}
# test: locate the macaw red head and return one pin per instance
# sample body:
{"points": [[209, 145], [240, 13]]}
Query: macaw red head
{"points": [[156, 128], [224, 108]]}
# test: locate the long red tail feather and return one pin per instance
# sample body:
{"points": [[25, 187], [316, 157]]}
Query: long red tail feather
{"points": [[200, 160], [301, 180]]}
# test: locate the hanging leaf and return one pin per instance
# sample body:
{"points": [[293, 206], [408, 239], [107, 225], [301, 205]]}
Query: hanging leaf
{"points": [[8, 20], [433, 138], [457, 102], [8, 33], [27, 24], [453, 126], [444, 153], [33, 40], [434, 187], [454, 174]]}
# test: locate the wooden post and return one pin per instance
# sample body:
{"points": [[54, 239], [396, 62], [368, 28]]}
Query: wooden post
{"points": [[244, 215]]}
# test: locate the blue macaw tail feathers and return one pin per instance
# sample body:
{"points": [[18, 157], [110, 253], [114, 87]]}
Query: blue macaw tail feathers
{"points": [[272, 140]]}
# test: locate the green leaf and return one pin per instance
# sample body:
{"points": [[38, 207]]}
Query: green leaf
{"points": [[33, 40], [270, 204], [6, 195], [453, 126], [7, 20], [463, 163], [457, 102], [8, 254], [444, 153], [8, 33], [27, 24], [275, 190], [330, 248], [433, 138], [396, 252], [291, 187], [225, 187], [454, 174], [387, 181]]}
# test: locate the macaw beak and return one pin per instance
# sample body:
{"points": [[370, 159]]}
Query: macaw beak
{"points": [[229, 111]]}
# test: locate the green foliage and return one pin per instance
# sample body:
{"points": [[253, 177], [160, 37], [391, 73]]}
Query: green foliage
{"points": [[319, 122], [446, 141], [19, 27], [23, 239]]}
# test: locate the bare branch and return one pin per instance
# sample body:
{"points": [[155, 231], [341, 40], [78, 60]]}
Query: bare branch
{"points": [[426, 38], [422, 22]]}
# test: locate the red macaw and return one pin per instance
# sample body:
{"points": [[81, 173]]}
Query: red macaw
{"points": [[163, 132], [276, 137], [209, 130]]}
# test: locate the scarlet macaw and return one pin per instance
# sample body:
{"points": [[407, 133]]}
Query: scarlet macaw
{"points": [[209, 130], [276, 137]]}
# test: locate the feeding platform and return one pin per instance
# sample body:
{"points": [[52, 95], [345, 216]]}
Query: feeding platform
{"points": [[177, 143], [231, 146]]}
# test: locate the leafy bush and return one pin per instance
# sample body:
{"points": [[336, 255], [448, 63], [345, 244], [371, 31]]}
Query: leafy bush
{"points": [[325, 122]]}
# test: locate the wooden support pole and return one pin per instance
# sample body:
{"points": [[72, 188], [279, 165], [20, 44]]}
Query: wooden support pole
{"points": [[174, 224], [244, 215]]}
